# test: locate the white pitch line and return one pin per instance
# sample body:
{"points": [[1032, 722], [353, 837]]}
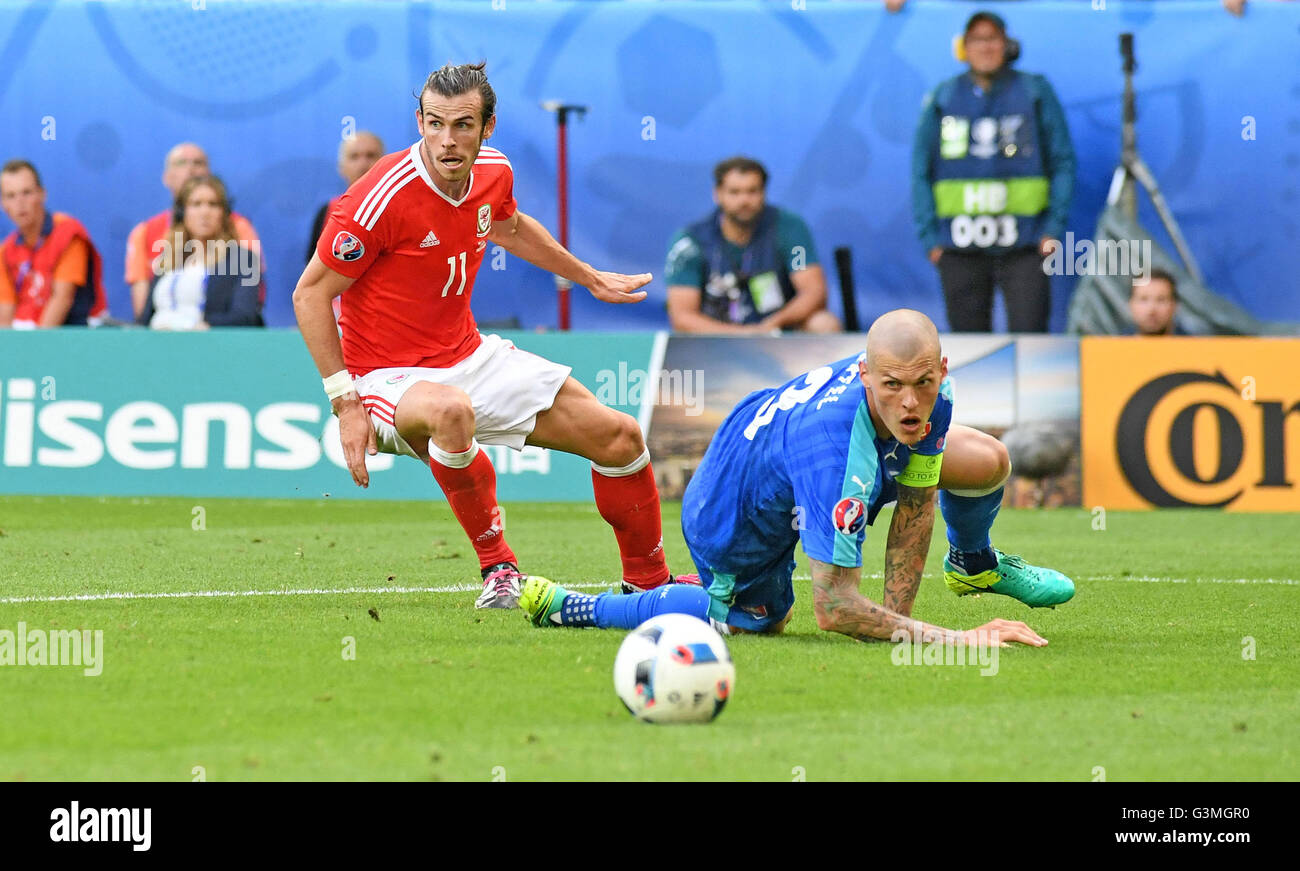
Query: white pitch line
{"points": [[1285, 582], [235, 594], [474, 588]]}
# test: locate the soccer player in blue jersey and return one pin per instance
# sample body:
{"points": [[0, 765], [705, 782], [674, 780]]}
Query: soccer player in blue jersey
{"points": [[813, 462]]}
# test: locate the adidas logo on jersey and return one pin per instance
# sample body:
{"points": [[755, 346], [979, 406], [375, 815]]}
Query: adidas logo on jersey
{"points": [[429, 240]]}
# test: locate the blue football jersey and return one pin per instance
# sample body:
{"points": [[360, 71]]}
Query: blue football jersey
{"points": [[799, 463]]}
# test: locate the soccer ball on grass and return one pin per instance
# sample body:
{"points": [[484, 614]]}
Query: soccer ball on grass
{"points": [[674, 668]]}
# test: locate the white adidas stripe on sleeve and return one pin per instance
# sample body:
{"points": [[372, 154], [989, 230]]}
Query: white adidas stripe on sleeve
{"points": [[378, 190], [399, 183]]}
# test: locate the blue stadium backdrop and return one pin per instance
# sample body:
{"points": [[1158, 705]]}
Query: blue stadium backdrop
{"points": [[827, 96]]}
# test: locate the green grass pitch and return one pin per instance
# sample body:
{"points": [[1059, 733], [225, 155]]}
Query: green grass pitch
{"points": [[1148, 674]]}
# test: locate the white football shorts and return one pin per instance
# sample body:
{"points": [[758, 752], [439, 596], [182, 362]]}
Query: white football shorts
{"points": [[507, 387]]}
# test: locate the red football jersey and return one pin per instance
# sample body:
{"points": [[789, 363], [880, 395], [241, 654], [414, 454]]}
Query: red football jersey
{"points": [[414, 253]]}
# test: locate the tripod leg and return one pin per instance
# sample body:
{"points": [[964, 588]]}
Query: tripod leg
{"points": [[1143, 174]]}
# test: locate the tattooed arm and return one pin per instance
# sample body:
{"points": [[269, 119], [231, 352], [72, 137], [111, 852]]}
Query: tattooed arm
{"points": [[907, 546], [841, 608]]}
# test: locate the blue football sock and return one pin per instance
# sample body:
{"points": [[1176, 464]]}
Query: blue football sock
{"points": [[969, 520], [579, 609], [630, 611]]}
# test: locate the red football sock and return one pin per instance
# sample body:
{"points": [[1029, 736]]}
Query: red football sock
{"points": [[470, 483], [629, 502]]}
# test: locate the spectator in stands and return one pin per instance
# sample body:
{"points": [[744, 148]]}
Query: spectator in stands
{"points": [[206, 276], [50, 272], [185, 161], [1153, 304], [748, 267], [992, 177], [357, 154]]}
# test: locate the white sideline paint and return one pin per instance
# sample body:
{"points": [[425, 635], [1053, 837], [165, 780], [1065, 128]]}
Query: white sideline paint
{"points": [[1285, 582], [474, 588], [236, 594]]}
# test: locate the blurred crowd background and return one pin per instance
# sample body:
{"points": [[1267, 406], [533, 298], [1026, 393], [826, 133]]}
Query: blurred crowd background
{"points": [[236, 122]]}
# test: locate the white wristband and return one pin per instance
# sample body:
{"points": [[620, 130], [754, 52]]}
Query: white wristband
{"points": [[338, 384]]}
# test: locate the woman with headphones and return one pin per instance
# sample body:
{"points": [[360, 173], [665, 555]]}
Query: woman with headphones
{"points": [[992, 177], [205, 277]]}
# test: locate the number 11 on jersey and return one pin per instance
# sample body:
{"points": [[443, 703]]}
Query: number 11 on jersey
{"points": [[451, 275]]}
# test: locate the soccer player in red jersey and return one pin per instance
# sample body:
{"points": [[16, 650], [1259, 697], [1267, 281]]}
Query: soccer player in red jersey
{"points": [[412, 375]]}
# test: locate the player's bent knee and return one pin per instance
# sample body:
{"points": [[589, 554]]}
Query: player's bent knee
{"points": [[1003, 465], [1001, 471], [630, 436], [453, 413], [623, 443], [983, 464], [998, 463], [449, 415]]}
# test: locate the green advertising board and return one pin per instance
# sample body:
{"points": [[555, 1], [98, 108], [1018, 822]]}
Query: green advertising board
{"points": [[241, 413]]}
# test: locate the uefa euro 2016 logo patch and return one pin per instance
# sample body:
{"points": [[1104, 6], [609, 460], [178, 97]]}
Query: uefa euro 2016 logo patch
{"points": [[347, 247], [850, 515]]}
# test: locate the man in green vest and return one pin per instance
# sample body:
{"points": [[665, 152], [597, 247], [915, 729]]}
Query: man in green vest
{"points": [[992, 177], [749, 266]]}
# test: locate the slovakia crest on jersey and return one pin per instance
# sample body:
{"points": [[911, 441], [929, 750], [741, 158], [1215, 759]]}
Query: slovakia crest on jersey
{"points": [[850, 515], [484, 219], [347, 247]]}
